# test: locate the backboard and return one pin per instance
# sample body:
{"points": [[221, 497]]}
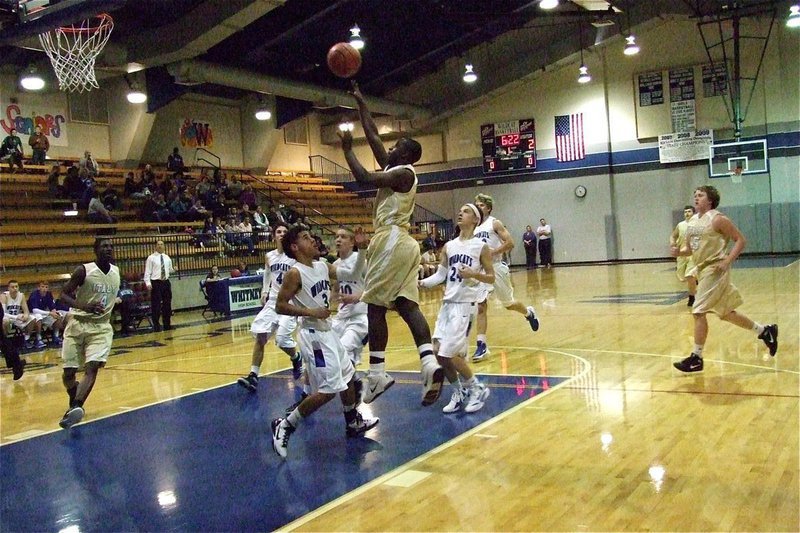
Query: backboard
{"points": [[750, 156]]}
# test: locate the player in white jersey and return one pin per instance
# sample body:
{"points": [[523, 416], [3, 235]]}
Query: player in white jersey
{"points": [[306, 292], [707, 239], [494, 233], [392, 256], [350, 321], [684, 266], [90, 293], [268, 322], [17, 315], [466, 263]]}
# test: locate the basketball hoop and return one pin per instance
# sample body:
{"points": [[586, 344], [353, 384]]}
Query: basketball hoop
{"points": [[73, 49], [736, 175]]}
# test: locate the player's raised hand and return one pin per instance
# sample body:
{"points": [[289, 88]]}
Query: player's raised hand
{"points": [[360, 238]]}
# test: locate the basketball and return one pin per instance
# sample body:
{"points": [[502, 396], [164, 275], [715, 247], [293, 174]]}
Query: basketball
{"points": [[235, 273], [344, 60]]}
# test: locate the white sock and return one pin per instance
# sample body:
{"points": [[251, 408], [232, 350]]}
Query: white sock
{"points": [[482, 338], [428, 360], [255, 369], [698, 350], [294, 418], [378, 367], [758, 328]]}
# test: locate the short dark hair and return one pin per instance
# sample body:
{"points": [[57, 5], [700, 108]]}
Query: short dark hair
{"points": [[100, 238], [12, 281], [278, 225], [290, 238], [688, 207], [712, 193], [413, 148]]}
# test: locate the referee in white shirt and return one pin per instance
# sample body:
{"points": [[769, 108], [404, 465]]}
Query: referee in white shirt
{"points": [[156, 276]]}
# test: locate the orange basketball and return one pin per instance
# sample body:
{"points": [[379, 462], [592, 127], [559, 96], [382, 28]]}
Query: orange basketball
{"points": [[235, 273], [344, 60]]}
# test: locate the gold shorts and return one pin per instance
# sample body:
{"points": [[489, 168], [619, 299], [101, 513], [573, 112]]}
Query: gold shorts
{"points": [[684, 268], [715, 293], [86, 341], [392, 262]]}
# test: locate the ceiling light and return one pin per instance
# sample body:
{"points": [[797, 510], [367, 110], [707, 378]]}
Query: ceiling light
{"points": [[346, 126], [135, 96], [584, 76], [548, 4], [355, 37], [631, 48], [794, 17], [31, 80], [263, 114], [469, 74]]}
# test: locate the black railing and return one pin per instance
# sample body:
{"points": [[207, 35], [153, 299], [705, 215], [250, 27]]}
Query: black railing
{"points": [[191, 253], [442, 229], [211, 154], [330, 170]]}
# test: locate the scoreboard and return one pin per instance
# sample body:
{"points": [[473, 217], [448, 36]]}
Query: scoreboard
{"points": [[509, 146]]}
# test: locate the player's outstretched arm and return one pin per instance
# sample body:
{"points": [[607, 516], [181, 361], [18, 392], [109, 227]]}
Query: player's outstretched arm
{"points": [[398, 179], [370, 128]]}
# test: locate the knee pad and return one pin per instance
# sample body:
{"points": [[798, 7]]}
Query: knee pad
{"points": [[285, 341]]}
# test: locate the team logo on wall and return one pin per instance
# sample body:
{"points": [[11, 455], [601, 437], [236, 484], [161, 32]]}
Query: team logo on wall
{"points": [[25, 119], [196, 133]]}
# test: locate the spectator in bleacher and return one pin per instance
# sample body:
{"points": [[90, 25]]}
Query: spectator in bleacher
{"points": [[221, 237], [73, 187], [40, 145], [198, 211], [232, 231], [12, 149], [149, 210], [261, 225], [245, 229], [233, 188], [245, 213], [88, 162], [110, 198], [215, 202], [88, 188], [175, 161], [243, 268], [248, 197], [292, 216], [42, 306], [162, 209], [180, 206], [165, 186], [275, 217], [213, 274], [179, 181], [202, 188], [97, 212], [17, 316], [148, 176], [54, 187]]}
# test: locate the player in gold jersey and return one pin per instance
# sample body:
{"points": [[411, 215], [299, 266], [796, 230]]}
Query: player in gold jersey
{"points": [[392, 256], [707, 237], [90, 293]]}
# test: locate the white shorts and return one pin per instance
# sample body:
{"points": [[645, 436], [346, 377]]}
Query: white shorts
{"points": [[15, 321], [86, 341], [270, 322], [352, 333], [328, 367], [452, 328], [45, 317], [502, 287]]}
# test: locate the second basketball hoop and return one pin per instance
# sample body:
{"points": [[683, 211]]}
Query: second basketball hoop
{"points": [[73, 50]]}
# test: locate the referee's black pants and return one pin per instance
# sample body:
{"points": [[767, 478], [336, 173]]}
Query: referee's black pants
{"points": [[161, 303]]}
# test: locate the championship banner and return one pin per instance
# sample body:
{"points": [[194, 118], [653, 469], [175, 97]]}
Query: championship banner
{"points": [[245, 296], [686, 146], [683, 116], [24, 118]]}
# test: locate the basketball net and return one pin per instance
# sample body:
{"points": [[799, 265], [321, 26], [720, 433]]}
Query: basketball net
{"points": [[73, 49], [736, 175]]}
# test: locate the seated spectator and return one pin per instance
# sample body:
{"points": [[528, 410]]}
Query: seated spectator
{"points": [[175, 161], [165, 186], [243, 268], [12, 149], [42, 307], [73, 187], [248, 197], [234, 188], [162, 209], [202, 188], [148, 176], [213, 274], [291, 215], [54, 187], [88, 162], [197, 211], [246, 237], [261, 225], [97, 212], [180, 206], [111, 199], [245, 213], [221, 236], [230, 232], [149, 210], [17, 316], [274, 216], [179, 181], [428, 263]]}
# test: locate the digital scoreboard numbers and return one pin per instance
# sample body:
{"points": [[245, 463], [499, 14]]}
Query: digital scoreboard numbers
{"points": [[509, 146]]}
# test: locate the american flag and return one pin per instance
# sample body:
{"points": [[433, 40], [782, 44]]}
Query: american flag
{"points": [[569, 137]]}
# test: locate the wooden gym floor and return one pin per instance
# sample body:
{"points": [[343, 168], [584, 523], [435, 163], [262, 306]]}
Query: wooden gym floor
{"points": [[625, 443]]}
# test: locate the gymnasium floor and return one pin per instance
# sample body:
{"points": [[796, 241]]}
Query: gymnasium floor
{"points": [[588, 427]]}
